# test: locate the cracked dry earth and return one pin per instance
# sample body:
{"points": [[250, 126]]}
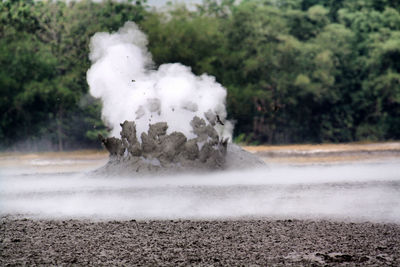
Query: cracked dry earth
{"points": [[198, 243]]}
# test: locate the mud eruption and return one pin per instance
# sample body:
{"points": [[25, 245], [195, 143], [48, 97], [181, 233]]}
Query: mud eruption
{"points": [[172, 119], [122, 75], [163, 153]]}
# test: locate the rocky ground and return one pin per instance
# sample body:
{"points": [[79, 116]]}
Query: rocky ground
{"points": [[200, 243]]}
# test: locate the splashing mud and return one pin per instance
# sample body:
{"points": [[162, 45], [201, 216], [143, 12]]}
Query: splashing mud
{"points": [[172, 119], [123, 77], [161, 153]]}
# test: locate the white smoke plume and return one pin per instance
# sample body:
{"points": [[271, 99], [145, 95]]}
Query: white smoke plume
{"points": [[130, 89]]}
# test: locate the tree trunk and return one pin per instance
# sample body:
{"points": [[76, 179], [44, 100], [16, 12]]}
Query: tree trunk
{"points": [[59, 129]]}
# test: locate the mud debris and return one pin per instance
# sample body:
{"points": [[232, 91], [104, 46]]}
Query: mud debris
{"points": [[161, 152]]}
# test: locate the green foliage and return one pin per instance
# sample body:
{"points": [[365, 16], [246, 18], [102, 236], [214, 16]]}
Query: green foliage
{"points": [[44, 59], [295, 70]]}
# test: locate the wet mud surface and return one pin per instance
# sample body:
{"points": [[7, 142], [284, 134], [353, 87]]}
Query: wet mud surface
{"points": [[198, 243]]}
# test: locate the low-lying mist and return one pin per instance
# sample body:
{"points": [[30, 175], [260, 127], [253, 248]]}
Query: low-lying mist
{"points": [[351, 192]]}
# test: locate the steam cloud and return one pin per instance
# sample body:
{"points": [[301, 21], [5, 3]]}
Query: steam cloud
{"points": [[130, 89]]}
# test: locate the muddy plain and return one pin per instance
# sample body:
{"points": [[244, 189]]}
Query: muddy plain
{"points": [[40, 225], [198, 243]]}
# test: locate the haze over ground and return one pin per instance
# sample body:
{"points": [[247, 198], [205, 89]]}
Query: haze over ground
{"points": [[39, 186]]}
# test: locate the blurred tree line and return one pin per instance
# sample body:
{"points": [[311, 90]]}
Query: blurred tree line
{"points": [[296, 70]]}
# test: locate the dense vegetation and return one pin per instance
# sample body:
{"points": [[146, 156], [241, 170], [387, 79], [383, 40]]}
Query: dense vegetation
{"points": [[296, 70]]}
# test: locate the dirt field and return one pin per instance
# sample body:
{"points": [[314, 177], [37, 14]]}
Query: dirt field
{"points": [[327, 153], [53, 182], [49, 162], [198, 243]]}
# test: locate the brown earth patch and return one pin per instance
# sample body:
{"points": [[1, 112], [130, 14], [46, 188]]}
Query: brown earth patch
{"points": [[327, 153]]}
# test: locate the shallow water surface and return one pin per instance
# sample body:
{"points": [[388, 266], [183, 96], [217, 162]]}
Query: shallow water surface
{"points": [[351, 192]]}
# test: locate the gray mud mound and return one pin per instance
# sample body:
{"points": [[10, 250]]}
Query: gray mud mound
{"points": [[162, 153]]}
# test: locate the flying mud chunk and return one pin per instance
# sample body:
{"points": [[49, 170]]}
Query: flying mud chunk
{"points": [[158, 130], [154, 105], [113, 145], [160, 152], [129, 132], [129, 139], [140, 112], [203, 131], [171, 147], [191, 151], [211, 117], [148, 144]]}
